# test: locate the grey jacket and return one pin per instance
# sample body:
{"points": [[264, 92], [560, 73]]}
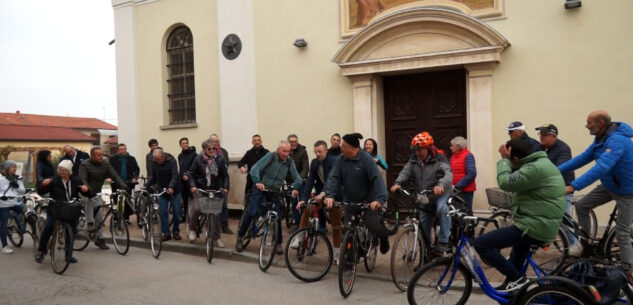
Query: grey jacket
{"points": [[359, 177], [94, 174], [424, 174]]}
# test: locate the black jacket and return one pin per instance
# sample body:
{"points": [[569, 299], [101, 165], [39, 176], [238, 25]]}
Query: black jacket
{"points": [[358, 179], [334, 152], [80, 156], [43, 170], [57, 191], [534, 144], [250, 158], [197, 174], [185, 159], [165, 175], [313, 177], [131, 167], [560, 153], [300, 156]]}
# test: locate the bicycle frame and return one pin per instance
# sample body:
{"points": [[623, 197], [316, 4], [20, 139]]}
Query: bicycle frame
{"points": [[595, 246]]}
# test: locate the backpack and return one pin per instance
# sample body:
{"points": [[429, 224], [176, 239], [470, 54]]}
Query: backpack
{"points": [[607, 279], [270, 162]]}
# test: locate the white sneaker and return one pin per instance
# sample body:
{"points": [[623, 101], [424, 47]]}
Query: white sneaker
{"points": [[219, 243], [336, 253], [7, 250], [296, 241], [575, 250], [192, 235]]}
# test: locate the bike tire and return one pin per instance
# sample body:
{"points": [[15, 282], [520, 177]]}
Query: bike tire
{"points": [[16, 237], [612, 246], [209, 238], [37, 232], [305, 262], [425, 282], [405, 260], [120, 233], [82, 238], [551, 258], [546, 294], [61, 249], [371, 255], [267, 245], [347, 264], [504, 218], [245, 241], [391, 217], [593, 219], [155, 234]]}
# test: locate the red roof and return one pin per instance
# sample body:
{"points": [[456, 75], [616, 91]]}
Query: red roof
{"points": [[22, 119], [39, 133]]}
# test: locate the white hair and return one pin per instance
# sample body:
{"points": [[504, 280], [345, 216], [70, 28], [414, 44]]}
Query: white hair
{"points": [[460, 141], [282, 143]]}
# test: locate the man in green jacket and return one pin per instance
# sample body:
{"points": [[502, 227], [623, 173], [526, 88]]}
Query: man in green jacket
{"points": [[538, 205]]}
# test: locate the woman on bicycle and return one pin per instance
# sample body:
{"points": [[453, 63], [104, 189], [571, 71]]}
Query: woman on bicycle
{"points": [[62, 188], [538, 205], [10, 185], [208, 172]]}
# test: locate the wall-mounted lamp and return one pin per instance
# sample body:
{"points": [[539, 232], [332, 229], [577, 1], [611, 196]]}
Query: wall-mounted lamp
{"points": [[571, 4], [300, 43]]}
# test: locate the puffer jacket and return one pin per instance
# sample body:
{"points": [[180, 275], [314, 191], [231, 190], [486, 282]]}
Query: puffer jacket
{"points": [[538, 195], [613, 153], [7, 190], [300, 156], [424, 174]]}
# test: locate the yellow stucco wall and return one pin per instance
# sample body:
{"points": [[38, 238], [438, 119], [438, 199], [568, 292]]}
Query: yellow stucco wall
{"points": [[154, 22]]}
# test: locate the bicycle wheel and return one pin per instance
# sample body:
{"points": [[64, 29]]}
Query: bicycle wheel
{"points": [[155, 234], [140, 204], [554, 294], [37, 232], [82, 238], [120, 233], [391, 217], [406, 258], [209, 238], [267, 245], [593, 226], [60, 249], [429, 284], [347, 264], [245, 241], [371, 244], [612, 247], [504, 218], [552, 257], [15, 235], [312, 258]]}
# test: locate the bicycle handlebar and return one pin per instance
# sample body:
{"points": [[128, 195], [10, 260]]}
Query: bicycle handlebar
{"points": [[158, 194]]}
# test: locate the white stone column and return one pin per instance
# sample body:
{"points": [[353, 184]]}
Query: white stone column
{"points": [[238, 106], [363, 114], [127, 104], [479, 92]]}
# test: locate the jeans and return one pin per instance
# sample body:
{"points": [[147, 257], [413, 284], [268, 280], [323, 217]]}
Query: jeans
{"points": [[257, 199], [4, 221], [570, 235], [48, 231], [468, 197], [600, 196], [489, 244], [91, 217], [426, 219], [163, 201]]}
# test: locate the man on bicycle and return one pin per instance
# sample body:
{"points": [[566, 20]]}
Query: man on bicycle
{"points": [[423, 166], [165, 176], [538, 206], [269, 173], [320, 169], [356, 177], [93, 172], [612, 150]]}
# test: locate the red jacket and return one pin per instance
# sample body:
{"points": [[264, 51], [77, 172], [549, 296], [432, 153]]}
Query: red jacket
{"points": [[464, 169]]}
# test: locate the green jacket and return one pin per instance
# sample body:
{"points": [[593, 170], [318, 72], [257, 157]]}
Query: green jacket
{"points": [[538, 195], [272, 173]]}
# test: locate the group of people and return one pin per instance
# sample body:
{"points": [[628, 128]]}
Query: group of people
{"points": [[540, 174]]}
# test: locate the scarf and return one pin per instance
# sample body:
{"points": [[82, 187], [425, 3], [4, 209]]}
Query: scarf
{"points": [[211, 168]]}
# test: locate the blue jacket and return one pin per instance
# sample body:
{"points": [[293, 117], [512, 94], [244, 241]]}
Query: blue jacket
{"points": [[613, 153], [357, 179], [313, 176]]}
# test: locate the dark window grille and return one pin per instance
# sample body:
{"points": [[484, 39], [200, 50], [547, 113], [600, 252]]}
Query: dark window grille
{"points": [[182, 97]]}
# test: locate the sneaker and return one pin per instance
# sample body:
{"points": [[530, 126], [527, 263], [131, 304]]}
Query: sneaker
{"points": [[297, 241], [165, 238], [101, 244], [227, 231], [239, 245], [7, 250], [513, 285], [575, 250], [219, 243], [279, 250], [39, 257], [177, 236], [384, 245], [443, 248], [192, 235], [72, 260], [336, 253]]}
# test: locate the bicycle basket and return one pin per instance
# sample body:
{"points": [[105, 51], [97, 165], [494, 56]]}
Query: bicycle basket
{"points": [[607, 279], [210, 205], [499, 198], [66, 211]]}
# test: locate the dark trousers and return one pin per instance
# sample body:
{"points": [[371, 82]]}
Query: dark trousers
{"points": [[489, 244], [48, 231], [257, 199], [4, 221], [224, 215], [373, 221], [186, 196]]}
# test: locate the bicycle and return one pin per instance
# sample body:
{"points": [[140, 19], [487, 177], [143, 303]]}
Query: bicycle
{"points": [[357, 242], [286, 204], [457, 272], [153, 224], [17, 224], [412, 248], [211, 206], [60, 245], [312, 257]]}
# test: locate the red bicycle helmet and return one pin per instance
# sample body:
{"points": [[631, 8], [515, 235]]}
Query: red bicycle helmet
{"points": [[422, 139]]}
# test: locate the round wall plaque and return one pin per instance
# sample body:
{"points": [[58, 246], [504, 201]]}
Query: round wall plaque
{"points": [[231, 46]]}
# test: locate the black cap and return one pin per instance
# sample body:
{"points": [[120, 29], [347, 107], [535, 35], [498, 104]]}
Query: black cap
{"points": [[548, 128], [353, 139]]}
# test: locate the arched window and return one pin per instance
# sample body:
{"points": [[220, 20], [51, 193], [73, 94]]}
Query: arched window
{"points": [[182, 97]]}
